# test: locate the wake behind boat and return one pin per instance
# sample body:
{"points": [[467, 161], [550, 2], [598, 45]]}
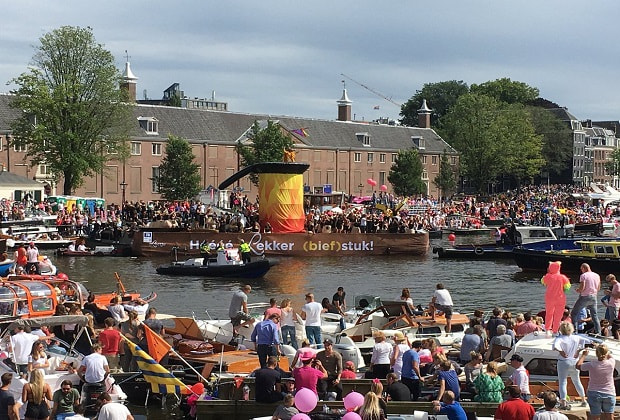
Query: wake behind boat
{"points": [[227, 264]]}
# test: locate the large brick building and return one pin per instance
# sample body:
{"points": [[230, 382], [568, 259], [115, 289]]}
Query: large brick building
{"points": [[342, 153]]}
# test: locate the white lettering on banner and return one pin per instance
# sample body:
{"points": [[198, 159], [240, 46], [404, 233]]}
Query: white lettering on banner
{"points": [[156, 244], [194, 244], [335, 246]]}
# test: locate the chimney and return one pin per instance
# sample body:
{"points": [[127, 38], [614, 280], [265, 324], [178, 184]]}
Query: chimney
{"points": [[424, 115], [129, 82], [344, 107]]}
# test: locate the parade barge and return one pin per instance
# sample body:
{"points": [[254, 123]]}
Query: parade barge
{"points": [[281, 198]]}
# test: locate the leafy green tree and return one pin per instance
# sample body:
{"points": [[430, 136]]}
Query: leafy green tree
{"points": [[612, 166], [406, 173], [521, 155], [557, 144], [493, 139], [175, 100], [179, 176], [445, 180], [440, 97], [266, 145], [506, 90], [75, 117]]}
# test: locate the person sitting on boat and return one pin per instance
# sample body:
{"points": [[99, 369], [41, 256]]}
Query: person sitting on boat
{"points": [[71, 247], [450, 407], [489, 385], [499, 342], [550, 411], [117, 310], [81, 246]]}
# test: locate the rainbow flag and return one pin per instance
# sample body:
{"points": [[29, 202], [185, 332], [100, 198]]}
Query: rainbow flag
{"points": [[161, 380], [301, 132]]}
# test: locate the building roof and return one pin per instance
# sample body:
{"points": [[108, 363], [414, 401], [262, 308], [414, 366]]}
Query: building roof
{"points": [[10, 179], [218, 127], [563, 114]]}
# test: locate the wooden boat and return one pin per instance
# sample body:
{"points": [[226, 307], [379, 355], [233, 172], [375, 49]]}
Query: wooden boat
{"points": [[603, 257], [162, 241], [98, 251], [227, 264]]}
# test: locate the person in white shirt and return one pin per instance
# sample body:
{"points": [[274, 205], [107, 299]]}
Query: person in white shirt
{"points": [[381, 356], [442, 301], [21, 345], [311, 313], [110, 410], [94, 368]]}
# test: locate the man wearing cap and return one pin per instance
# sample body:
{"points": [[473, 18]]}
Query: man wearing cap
{"points": [[311, 313], [332, 362], [410, 375], [309, 373], [520, 376], [267, 338]]}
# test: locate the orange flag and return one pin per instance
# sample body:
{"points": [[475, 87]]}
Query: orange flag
{"points": [[158, 347]]}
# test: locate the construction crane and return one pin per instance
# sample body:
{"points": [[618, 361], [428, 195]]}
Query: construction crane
{"points": [[372, 90]]}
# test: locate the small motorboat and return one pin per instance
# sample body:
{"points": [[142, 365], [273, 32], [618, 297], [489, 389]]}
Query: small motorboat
{"points": [[97, 251], [227, 264]]}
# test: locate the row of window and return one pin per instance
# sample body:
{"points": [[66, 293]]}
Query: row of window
{"points": [[357, 157]]}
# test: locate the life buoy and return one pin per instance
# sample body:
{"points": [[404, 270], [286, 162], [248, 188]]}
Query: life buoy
{"points": [[479, 251]]}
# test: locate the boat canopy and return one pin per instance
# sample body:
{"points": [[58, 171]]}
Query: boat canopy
{"points": [[51, 321]]}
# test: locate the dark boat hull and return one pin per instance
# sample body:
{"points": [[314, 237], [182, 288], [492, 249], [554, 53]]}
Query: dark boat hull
{"points": [[252, 270], [162, 241], [539, 261], [474, 252]]}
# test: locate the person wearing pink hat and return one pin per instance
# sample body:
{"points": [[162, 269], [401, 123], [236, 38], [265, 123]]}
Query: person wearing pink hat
{"points": [[308, 375]]}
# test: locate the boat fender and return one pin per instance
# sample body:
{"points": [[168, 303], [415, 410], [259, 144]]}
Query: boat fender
{"points": [[479, 251]]}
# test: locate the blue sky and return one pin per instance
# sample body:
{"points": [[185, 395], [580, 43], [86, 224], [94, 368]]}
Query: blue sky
{"points": [[286, 57]]}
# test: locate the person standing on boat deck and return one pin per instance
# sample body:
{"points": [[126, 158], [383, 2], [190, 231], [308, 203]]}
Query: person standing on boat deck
{"points": [[520, 376], [94, 368], [410, 374], [32, 255], [311, 370], [400, 347], [157, 327], [601, 388], [472, 341], [8, 407], [246, 255], [238, 309], [20, 256], [268, 382], [492, 323], [442, 301], [557, 285], [589, 285], [339, 299], [287, 324], [21, 345], [568, 345], [311, 313], [614, 296], [267, 338]]}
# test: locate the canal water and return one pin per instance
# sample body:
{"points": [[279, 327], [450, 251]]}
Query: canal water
{"points": [[473, 284]]}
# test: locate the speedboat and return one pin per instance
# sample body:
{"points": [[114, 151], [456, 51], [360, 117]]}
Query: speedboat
{"points": [[370, 314], [540, 360], [63, 359], [227, 264], [603, 256]]}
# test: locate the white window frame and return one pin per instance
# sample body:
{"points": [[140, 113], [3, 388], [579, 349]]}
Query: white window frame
{"points": [[136, 148], [371, 157], [357, 157], [156, 149], [154, 179], [381, 157], [20, 148]]}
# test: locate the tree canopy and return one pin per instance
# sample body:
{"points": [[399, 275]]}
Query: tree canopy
{"points": [[179, 177], [75, 118], [265, 145], [493, 139], [406, 173], [445, 180], [506, 90], [440, 97]]}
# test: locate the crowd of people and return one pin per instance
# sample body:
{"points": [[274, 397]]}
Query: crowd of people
{"points": [[409, 367]]}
